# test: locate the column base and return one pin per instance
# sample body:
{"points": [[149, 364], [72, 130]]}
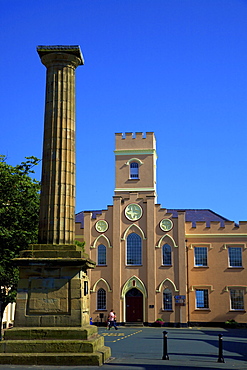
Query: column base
{"points": [[55, 346]]}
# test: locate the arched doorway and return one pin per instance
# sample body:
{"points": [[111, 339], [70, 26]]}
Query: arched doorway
{"points": [[134, 305]]}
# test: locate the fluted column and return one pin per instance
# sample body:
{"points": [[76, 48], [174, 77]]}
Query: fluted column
{"points": [[57, 204]]}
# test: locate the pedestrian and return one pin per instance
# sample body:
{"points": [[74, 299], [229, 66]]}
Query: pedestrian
{"points": [[112, 320]]}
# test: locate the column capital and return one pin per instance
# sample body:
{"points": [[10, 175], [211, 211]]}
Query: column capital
{"points": [[60, 55]]}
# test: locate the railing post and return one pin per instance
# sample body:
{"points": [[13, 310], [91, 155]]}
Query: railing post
{"points": [[165, 355], [220, 358]]}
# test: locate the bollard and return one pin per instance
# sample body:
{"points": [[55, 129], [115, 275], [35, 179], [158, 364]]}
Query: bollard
{"points": [[165, 355], [220, 358]]}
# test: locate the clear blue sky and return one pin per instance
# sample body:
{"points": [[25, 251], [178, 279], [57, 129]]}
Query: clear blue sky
{"points": [[175, 67]]}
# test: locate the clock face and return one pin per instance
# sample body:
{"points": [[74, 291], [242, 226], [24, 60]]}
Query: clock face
{"points": [[133, 212], [166, 224], [101, 226]]}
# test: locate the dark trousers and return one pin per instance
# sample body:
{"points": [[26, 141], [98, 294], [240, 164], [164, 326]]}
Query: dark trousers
{"points": [[112, 323]]}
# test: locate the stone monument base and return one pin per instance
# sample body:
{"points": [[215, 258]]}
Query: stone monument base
{"points": [[53, 346], [52, 311]]}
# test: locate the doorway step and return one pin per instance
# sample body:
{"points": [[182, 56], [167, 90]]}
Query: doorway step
{"points": [[135, 324]]}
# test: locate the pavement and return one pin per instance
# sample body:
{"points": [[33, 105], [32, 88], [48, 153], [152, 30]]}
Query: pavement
{"points": [[142, 348]]}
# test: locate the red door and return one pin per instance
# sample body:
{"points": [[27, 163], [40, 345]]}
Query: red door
{"points": [[134, 306]]}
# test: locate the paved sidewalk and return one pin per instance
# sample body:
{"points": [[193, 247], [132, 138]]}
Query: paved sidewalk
{"points": [[142, 349]]}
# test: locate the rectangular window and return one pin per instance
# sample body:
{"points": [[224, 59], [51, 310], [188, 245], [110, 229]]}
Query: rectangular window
{"points": [[102, 255], [167, 300], [235, 256], [201, 258], [167, 255], [134, 249], [101, 299], [134, 170], [237, 299], [202, 298]]}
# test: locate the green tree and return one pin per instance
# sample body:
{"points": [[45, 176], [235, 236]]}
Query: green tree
{"points": [[19, 207]]}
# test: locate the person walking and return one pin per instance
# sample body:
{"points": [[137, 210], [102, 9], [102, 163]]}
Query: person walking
{"points": [[112, 320]]}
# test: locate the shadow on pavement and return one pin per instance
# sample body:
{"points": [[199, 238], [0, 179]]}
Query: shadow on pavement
{"points": [[166, 366]]}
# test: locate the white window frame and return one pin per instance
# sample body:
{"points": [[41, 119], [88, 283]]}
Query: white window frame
{"points": [[134, 171], [198, 248], [229, 259], [239, 290], [197, 301]]}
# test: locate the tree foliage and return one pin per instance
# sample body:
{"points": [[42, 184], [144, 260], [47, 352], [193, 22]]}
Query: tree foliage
{"points": [[19, 207]]}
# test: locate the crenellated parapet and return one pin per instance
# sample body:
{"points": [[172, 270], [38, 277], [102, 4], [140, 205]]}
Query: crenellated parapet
{"points": [[217, 227], [135, 140]]}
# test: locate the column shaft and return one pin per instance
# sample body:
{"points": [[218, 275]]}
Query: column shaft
{"points": [[57, 204]]}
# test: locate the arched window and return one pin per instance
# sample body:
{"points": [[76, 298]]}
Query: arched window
{"points": [[167, 255], [101, 254], [101, 299], [167, 299], [134, 170], [134, 249]]}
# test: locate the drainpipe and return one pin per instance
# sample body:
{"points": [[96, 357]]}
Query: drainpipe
{"points": [[188, 285]]}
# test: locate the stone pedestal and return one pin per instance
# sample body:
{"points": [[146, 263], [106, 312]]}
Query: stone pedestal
{"points": [[52, 311], [56, 346]]}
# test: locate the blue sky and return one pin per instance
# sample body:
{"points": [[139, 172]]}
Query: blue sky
{"points": [[174, 67]]}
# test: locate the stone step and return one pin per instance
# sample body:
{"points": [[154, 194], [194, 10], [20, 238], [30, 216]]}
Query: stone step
{"points": [[51, 254], [60, 333], [53, 247], [59, 359], [51, 346]]}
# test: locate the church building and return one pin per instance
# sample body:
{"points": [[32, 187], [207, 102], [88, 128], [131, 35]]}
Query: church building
{"points": [[184, 266]]}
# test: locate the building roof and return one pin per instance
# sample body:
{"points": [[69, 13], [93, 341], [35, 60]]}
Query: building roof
{"points": [[191, 215], [200, 215], [79, 217]]}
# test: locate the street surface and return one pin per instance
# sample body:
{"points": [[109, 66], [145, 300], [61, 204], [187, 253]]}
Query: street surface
{"points": [[141, 348]]}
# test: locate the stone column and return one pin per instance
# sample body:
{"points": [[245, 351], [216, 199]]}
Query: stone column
{"points": [[57, 204], [53, 301]]}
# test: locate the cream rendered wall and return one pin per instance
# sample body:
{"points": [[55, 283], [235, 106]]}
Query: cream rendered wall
{"points": [[154, 276], [181, 277], [217, 277]]}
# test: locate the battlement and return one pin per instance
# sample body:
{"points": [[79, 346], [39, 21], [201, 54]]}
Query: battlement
{"points": [[216, 227], [137, 140]]}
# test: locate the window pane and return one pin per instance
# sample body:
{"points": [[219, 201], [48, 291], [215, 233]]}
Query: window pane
{"points": [[202, 298], [200, 256], [237, 299], [167, 299], [134, 249], [101, 299], [167, 254], [235, 256], [134, 170], [101, 255]]}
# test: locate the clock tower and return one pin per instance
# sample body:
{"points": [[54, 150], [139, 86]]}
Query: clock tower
{"points": [[135, 164], [131, 239]]}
